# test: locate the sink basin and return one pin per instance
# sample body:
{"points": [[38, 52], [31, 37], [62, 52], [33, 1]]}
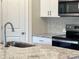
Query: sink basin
{"points": [[19, 44]]}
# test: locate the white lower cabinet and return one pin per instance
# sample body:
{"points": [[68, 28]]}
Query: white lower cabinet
{"points": [[42, 40]]}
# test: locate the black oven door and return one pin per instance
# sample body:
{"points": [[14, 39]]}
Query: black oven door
{"points": [[65, 45]]}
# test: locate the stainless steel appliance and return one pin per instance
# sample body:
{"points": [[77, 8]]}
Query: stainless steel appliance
{"points": [[68, 7], [70, 39]]}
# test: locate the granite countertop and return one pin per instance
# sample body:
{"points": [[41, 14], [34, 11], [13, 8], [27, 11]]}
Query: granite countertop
{"points": [[40, 52], [48, 35]]}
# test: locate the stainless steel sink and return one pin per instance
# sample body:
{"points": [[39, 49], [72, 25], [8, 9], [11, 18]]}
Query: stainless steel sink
{"points": [[19, 44]]}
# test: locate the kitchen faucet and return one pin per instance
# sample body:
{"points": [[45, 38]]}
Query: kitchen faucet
{"points": [[5, 41]]}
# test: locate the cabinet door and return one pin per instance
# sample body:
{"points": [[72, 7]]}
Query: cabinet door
{"points": [[44, 8], [49, 8], [54, 8], [15, 11]]}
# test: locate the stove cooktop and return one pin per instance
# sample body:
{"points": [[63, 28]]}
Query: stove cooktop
{"points": [[63, 37]]}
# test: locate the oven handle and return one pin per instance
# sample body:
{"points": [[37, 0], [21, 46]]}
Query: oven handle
{"points": [[66, 41]]}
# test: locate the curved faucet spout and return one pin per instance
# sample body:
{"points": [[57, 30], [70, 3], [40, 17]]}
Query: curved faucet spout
{"points": [[10, 25], [5, 41]]}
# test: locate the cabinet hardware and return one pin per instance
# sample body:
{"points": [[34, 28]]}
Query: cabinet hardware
{"points": [[78, 5], [41, 40], [23, 33], [48, 13]]}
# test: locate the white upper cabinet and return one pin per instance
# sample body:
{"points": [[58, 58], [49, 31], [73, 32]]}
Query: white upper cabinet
{"points": [[49, 8], [44, 8]]}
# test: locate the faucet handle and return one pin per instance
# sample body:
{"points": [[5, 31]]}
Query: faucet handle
{"points": [[10, 44], [7, 44]]}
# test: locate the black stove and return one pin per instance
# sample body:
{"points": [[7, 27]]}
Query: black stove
{"points": [[70, 40], [72, 31]]}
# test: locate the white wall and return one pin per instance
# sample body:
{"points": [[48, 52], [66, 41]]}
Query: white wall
{"points": [[56, 25]]}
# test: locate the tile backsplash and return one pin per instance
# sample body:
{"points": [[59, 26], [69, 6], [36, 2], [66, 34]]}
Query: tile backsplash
{"points": [[57, 25]]}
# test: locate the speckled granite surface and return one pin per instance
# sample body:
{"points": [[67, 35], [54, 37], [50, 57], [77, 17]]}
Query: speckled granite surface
{"points": [[37, 52], [48, 35]]}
